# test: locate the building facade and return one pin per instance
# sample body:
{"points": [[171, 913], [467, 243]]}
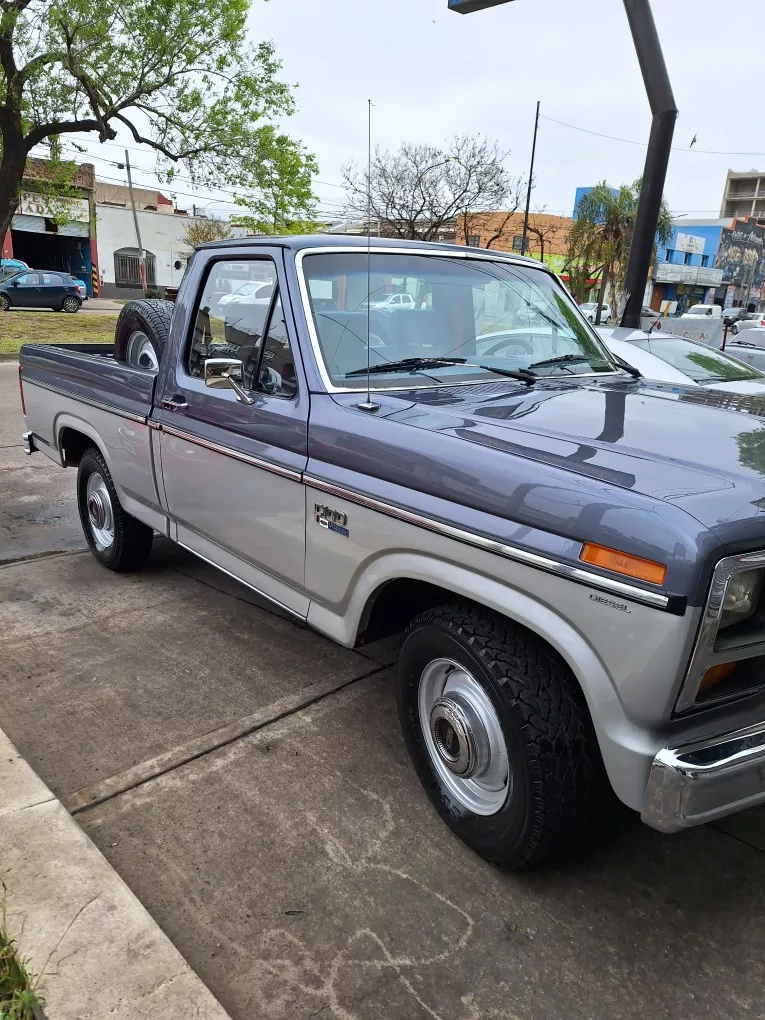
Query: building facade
{"points": [[744, 195], [56, 232]]}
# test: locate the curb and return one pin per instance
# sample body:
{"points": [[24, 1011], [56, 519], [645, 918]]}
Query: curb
{"points": [[98, 950]]}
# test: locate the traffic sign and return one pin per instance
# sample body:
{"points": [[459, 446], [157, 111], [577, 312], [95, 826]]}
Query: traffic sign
{"points": [[468, 6]]}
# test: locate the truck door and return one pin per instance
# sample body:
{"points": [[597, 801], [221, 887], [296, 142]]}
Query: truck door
{"points": [[232, 463]]}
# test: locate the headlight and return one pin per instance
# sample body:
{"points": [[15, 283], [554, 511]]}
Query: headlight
{"points": [[741, 597]]}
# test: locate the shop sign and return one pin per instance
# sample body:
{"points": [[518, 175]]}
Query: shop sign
{"points": [[76, 210], [690, 243]]}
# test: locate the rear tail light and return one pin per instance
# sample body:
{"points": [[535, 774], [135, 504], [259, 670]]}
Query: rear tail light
{"points": [[21, 394]]}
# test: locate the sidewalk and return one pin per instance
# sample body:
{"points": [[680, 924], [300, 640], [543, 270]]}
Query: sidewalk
{"points": [[77, 923]]}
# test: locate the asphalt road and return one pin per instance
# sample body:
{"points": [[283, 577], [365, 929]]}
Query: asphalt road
{"points": [[248, 780]]}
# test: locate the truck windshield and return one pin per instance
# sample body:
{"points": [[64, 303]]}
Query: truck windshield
{"points": [[500, 314]]}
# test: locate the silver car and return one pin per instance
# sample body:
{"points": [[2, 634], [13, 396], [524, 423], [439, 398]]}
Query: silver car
{"points": [[673, 359], [749, 320]]}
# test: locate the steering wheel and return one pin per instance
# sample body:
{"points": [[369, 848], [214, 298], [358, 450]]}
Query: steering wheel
{"points": [[509, 342]]}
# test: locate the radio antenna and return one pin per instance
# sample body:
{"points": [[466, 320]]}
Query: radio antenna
{"points": [[368, 404]]}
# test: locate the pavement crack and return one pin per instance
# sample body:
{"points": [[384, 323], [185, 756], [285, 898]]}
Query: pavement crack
{"points": [[738, 839], [198, 747]]}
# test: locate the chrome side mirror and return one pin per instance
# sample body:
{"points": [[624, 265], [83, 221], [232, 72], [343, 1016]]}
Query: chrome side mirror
{"points": [[226, 373]]}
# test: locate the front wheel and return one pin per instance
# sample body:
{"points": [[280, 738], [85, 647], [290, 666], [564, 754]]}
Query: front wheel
{"points": [[4, 303], [499, 734], [116, 539]]}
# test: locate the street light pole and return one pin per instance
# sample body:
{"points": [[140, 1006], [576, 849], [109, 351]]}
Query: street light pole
{"points": [[664, 111]]}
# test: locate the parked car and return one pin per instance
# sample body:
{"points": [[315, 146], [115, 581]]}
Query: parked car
{"points": [[574, 558], [34, 289], [749, 347], [733, 314], [590, 309], [703, 312], [248, 293], [391, 301], [749, 320], [10, 267], [674, 359]]}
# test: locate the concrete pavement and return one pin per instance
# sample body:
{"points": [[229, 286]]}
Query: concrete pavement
{"points": [[251, 786]]}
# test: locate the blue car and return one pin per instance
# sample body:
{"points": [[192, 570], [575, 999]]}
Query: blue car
{"points": [[35, 289]]}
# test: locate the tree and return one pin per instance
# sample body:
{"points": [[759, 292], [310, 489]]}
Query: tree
{"points": [[545, 230], [176, 75], [286, 202], [420, 189], [602, 233], [203, 231]]}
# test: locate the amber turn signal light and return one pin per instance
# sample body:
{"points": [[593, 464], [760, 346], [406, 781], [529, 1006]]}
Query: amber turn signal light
{"points": [[623, 563], [715, 675]]}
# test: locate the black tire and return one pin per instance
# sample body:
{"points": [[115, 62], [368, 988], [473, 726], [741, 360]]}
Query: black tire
{"points": [[132, 539], [149, 316], [555, 766], [71, 304], [5, 303]]}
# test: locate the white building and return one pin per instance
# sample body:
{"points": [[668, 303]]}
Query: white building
{"points": [[162, 237]]}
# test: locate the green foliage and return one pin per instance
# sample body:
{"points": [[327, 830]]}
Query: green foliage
{"points": [[286, 202], [203, 231], [601, 237], [19, 998], [751, 450], [177, 75]]}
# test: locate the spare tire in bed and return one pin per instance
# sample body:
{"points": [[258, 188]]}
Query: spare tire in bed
{"points": [[142, 331]]}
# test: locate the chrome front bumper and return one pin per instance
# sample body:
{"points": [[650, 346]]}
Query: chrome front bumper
{"points": [[707, 779], [29, 443]]}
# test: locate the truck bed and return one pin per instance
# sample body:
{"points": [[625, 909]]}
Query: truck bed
{"points": [[89, 373]]}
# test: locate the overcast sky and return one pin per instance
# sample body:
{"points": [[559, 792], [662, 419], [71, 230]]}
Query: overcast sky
{"points": [[432, 73]]}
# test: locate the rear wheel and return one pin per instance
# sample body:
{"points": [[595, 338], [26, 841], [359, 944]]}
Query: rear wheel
{"points": [[71, 304], [116, 539], [141, 333], [499, 734]]}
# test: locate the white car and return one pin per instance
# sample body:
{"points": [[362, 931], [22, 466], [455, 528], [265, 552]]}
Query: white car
{"points": [[673, 359], [250, 293], [392, 301], [749, 347], [590, 310], [749, 320], [703, 312]]}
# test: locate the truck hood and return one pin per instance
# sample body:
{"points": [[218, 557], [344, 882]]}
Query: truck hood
{"points": [[701, 450]]}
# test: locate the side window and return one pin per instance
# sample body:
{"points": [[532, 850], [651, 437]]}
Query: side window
{"points": [[49, 280], [277, 372], [231, 316], [28, 280]]}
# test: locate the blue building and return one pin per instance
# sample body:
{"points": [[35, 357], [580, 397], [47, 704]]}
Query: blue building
{"points": [[686, 270]]}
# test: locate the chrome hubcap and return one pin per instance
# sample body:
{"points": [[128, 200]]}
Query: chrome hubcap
{"points": [[464, 737], [141, 353], [100, 512]]}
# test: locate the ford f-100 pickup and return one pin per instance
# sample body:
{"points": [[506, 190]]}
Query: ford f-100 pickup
{"points": [[573, 555]]}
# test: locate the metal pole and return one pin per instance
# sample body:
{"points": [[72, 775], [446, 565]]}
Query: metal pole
{"points": [[531, 183], [141, 262], [664, 111]]}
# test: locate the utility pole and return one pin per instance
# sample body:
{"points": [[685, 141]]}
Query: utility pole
{"points": [[664, 111], [141, 260], [531, 184]]}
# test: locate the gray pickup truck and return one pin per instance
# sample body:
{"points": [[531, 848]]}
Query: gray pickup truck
{"points": [[572, 555]]}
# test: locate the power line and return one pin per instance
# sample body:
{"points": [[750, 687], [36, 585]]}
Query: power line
{"points": [[630, 141]]}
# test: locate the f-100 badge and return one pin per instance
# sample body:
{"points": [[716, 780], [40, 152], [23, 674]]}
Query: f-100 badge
{"points": [[331, 519]]}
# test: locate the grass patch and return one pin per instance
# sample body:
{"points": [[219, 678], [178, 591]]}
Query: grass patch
{"points": [[19, 996], [17, 328]]}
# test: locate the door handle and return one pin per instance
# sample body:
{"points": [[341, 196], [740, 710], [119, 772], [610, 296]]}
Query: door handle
{"points": [[176, 403]]}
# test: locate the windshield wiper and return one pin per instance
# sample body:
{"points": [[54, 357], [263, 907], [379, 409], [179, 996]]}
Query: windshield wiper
{"points": [[414, 364], [405, 364], [562, 359]]}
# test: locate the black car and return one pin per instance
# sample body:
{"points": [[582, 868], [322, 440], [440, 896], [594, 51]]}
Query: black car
{"points": [[37, 289]]}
